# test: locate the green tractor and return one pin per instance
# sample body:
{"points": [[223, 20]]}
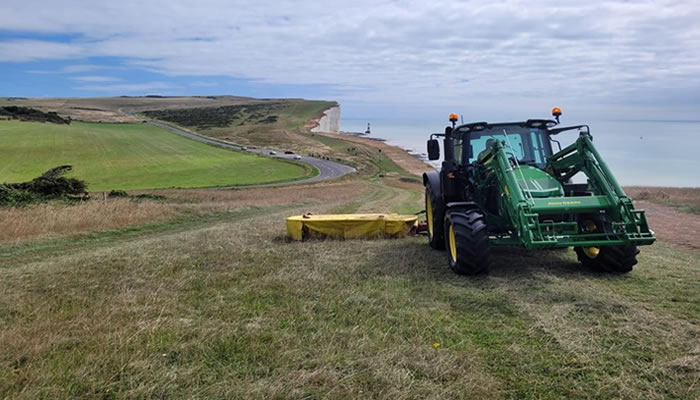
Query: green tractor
{"points": [[502, 184]]}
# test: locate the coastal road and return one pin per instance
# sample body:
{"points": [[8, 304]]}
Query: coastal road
{"points": [[327, 169]]}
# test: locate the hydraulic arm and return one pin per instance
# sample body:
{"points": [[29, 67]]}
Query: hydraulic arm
{"points": [[532, 215]]}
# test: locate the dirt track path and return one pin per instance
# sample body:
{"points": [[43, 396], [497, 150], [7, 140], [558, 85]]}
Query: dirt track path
{"points": [[671, 225]]}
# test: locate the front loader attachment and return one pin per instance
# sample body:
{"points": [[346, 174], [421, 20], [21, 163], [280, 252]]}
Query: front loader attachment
{"points": [[543, 214]]}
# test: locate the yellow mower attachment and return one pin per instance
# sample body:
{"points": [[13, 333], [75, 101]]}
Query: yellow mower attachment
{"points": [[350, 226]]}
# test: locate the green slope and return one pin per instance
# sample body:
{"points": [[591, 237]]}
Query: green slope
{"points": [[130, 156]]}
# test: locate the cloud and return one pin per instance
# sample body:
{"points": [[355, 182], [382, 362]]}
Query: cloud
{"points": [[34, 50], [441, 52], [95, 78], [78, 68], [129, 87], [203, 84], [71, 69]]}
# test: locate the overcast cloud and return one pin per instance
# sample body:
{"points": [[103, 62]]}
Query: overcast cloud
{"points": [[631, 53]]}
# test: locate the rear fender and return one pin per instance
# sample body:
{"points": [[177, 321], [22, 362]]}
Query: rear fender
{"points": [[431, 180], [463, 205]]}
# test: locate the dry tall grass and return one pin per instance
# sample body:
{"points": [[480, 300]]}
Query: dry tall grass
{"points": [[202, 201], [670, 195], [47, 219], [59, 219]]}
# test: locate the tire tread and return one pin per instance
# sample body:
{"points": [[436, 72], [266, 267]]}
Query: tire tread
{"points": [[472, 241]]}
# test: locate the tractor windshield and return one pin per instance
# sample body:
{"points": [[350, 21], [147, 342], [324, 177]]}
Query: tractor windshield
{"points": [[527, 145]]}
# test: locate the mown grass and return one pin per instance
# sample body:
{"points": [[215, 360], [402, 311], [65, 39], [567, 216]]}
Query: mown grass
{"points": [[131, 156], [227, 307]]}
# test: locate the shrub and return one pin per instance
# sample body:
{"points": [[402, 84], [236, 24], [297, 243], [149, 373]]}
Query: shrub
{"points": [[149, 196], [31, 114], [51, 185], [224, 116], [14, 197], [118, 193], [124, 194]]}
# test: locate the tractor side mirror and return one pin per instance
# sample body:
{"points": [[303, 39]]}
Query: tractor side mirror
{"points": [[433, 149]]}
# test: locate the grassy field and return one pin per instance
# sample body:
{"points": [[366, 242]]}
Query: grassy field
{"points": [[216, 303], [202, 296], [131, 156]]}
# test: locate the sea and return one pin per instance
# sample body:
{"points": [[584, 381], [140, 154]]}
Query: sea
{"points": [[639, 152]]}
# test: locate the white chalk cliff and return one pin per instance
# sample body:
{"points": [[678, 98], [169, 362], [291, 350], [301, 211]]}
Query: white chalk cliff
{"points": [[329, 122]]}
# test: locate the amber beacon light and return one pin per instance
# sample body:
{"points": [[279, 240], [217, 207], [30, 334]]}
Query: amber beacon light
{"points": [[556, 113]]}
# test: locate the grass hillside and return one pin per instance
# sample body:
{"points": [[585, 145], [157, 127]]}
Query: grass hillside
{"points": [[108, 109], [288, 114], [279, 123], [130, 156], [217, 304]]}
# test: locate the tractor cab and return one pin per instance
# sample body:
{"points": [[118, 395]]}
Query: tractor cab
{"points": [[526, 143], [470, 151], [527, 147]]}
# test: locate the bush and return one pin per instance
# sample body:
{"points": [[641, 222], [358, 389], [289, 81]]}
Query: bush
{"points": [[149, 196], [124, 194], [13, 197], [51, 185], [31, 114], [224, 116], [118, 193]]}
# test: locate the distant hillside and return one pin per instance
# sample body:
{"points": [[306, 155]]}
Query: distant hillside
{"points": [[221, 117], [110, 109]]}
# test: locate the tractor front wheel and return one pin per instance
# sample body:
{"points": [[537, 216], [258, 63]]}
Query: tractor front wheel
{"points": [[612, 259], [434, 213], [467, 241]]}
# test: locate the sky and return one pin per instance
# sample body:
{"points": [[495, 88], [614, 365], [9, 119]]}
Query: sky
{"points": [[402, 59]]}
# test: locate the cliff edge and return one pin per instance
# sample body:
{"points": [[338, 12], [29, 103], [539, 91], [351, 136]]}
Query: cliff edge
{"points": [[329, 122]]}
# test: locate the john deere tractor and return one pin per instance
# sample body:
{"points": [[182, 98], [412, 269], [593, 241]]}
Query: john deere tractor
{"points": [[502, 184]]}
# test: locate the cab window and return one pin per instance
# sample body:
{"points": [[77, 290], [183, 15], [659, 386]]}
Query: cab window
{"points": [[479, 144], [458, 150], [527, 145]]}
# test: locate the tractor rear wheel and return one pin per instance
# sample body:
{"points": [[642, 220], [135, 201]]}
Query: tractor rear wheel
{"points": [[434, 213], [467, 240], [613, 259]]}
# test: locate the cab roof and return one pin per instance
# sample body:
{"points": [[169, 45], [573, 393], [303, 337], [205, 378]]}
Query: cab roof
{"points": [[480, 126]]}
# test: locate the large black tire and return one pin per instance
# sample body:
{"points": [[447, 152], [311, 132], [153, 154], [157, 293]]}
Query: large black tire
{"points": [[435, 213], [612, 259], [467, 241]]}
